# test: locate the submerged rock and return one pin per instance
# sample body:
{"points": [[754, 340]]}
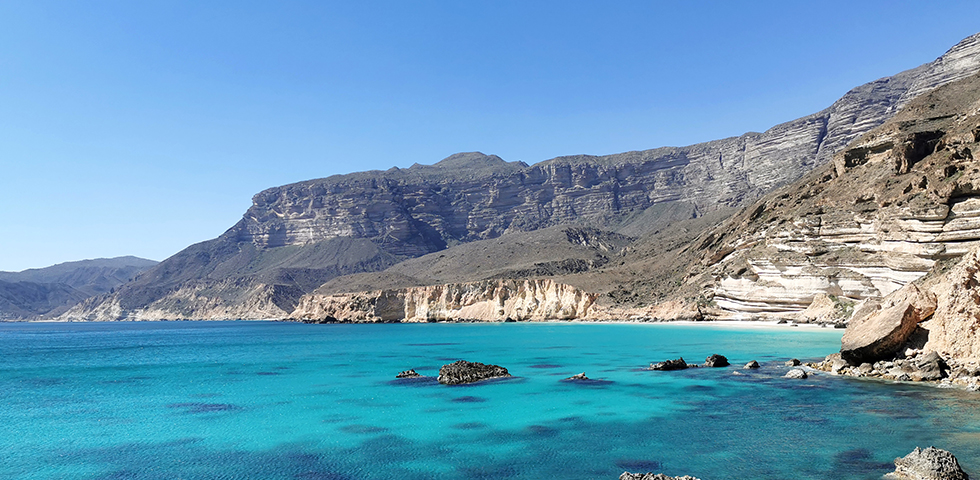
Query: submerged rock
{"points": [[460, 372], [678, 364], [652, 476], [408, 374], [715, 360], [929, 464], [796, 373], [751, 365]]}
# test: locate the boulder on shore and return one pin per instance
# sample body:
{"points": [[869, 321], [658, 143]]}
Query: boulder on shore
{"points": [[652, 476], [881, 332], [678, 364], [461, 372], [408, 374], [715, 360], [929, 464]]}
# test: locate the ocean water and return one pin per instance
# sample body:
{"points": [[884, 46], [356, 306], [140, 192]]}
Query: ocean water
{"points": [[266, 400]]}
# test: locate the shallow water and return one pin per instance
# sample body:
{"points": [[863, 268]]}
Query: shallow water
{"points": [[292, 401]]}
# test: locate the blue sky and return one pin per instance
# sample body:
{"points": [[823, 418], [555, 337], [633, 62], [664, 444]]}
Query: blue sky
{"points": [[138, 128]]}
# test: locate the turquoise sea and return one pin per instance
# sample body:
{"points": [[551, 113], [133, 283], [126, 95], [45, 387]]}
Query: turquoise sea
{"points": [[267, 400]]}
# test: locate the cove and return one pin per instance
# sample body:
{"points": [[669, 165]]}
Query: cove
{"points": [[294, 401]]}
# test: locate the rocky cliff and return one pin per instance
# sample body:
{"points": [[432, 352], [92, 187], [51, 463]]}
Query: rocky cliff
{"points": [[890, 206], [490, 300], [296, 237]]}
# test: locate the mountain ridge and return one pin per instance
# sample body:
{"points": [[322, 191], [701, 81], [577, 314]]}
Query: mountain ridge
{"points": [[370, 221]]}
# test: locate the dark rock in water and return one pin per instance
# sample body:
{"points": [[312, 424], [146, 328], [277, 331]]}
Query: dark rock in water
{"points": [[580, 376], [460, 372], [678, 364], [652, 476], [408, 374], [793, 362], [929, 464], [796, 373], [752, 364], [715, 360]]}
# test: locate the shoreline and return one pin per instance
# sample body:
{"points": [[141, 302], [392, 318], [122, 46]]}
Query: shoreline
{"points": [[778, 324]]}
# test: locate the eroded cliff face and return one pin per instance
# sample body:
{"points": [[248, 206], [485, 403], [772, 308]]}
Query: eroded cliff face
{"points": [[891, 205], [491, 300], [954, 329]]}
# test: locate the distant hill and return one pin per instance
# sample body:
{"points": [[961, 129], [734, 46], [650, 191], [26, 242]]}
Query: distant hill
{"points": [[51, 290]]}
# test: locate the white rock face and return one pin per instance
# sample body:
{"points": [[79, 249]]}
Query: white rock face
{"points": [[491, 300]]}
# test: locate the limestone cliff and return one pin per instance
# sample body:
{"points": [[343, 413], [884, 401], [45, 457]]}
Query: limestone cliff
{"points": [[891, 205], [491, 300], [954, 329], [296, 237]]}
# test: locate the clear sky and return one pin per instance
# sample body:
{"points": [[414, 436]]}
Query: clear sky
{"points": [[141, 127]]}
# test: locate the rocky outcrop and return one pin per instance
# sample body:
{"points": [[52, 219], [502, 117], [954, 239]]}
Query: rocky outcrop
{"points": [[954, 330], [797, 374], [490, 300], [296, 237], [667, 365], [714, 361], [882, 331], [929, 464], [461, 372], [751, 365], [578, 376], [652, 476], [408, 374]]}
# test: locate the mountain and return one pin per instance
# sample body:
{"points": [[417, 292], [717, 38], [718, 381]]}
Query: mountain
{"points": [[296, 238], [50, 291]]}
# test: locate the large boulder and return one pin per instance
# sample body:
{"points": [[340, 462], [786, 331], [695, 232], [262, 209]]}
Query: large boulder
{"points": [[881, 332], [929, 464], [678, 364], [715, 360], [460, 372]]}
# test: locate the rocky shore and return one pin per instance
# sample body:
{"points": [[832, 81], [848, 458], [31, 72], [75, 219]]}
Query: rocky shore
{"points": [[921, 464]]}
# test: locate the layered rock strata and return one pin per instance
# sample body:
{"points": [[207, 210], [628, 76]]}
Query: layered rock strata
{"points": [[296, 237], [490, 300], [895, 202]]}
